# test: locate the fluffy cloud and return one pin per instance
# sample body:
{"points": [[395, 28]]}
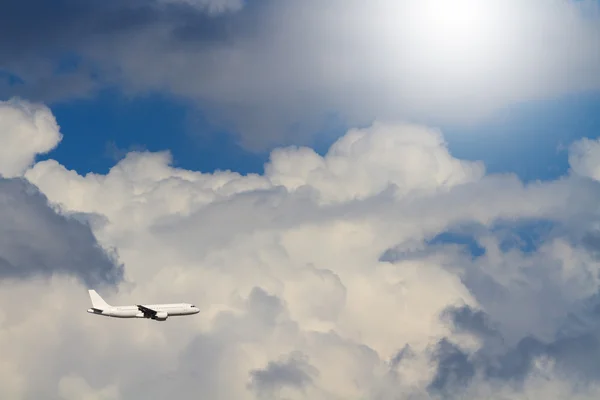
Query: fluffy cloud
{"points": [[26, 130], [316, 279], [35, 240], [275, 71], [365, 162], [39, 245]]}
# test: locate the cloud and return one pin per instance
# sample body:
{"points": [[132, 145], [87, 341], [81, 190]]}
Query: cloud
{"points": [[47, 61], [570, 356], [365, 162], [213, 7], [294, 372], [26, 129], [584, 158], [317, 282], [36, 239], [275, 72], [74, 387]]}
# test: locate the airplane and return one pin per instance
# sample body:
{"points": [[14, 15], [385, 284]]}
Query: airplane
{"points": [[157, 312]]}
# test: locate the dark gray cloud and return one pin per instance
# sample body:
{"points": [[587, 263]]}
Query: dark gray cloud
{"points": [[404, 354], [577, 355], [468, 320], [59, 50], [37, 241], [60, 27], [294, 371], [533, 281], [454, 370]]}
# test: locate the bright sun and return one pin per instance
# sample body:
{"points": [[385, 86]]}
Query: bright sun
{"points": [[457, 46], [454, 25]]}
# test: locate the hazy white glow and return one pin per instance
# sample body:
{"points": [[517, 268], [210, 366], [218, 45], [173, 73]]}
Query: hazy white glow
{"points": [[458, 43], [460, 23], [438, 61]]}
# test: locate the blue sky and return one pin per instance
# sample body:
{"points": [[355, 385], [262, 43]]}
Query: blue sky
{"points": [[98, 131], [528, 139]]}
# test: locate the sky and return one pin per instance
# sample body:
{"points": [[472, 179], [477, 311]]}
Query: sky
{"points": [[392, 200]]}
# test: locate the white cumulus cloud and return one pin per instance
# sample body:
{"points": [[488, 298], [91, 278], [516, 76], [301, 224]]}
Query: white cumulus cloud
{"points": [[26, 130], [319, 279]]}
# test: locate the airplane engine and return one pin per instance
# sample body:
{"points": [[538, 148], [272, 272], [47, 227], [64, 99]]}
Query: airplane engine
{"points": [[161, 316]]}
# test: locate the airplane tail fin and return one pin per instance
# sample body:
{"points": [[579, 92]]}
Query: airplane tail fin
{"points": [[97, 301]]}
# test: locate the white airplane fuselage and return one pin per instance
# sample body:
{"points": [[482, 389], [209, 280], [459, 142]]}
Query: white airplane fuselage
{"points": [[158, 312]]}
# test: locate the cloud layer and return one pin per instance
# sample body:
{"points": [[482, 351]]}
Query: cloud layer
{"points": [[315, 280], [276, 72]]}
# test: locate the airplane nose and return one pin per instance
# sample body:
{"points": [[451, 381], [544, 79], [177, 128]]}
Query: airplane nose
{"points": [[196, 310]]}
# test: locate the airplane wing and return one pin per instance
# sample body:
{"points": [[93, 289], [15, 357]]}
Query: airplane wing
{"points": [[148, 312]]}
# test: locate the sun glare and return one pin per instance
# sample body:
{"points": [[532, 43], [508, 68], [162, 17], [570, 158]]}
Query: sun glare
{"points": [[454, 48], [458, 24]]}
